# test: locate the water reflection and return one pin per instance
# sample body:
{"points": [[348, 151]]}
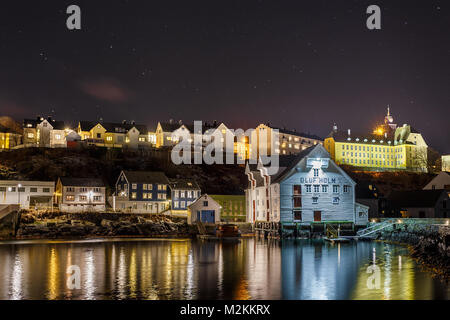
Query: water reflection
{"points": [[185, 269]]}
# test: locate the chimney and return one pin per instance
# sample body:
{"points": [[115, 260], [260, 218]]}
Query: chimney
{"points": [[349, 132], [49, 118], [133, 122], [180, 122], [39, 118], [215, 123], [385, 135], [124, 121], [171, 121]]}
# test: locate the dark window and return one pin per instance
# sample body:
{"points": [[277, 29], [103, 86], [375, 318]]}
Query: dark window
{"points": [[297, 215], [205, 203], [444, 204], [33, 189], [297, 202], [2, 189], [99, 135], [22, 189], [297, 189], [46, 190]]}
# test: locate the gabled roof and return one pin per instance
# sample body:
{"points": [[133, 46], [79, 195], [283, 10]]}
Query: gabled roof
{"points": [[294, 161], [204, 197], [258, 179], [170, 126], [146, 177], [114, 127], [416, 198], [32, 123], [184, 184], [87, 125], [81, 182]]}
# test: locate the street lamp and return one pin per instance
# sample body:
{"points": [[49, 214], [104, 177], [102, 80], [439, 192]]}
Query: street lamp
{"points": [[18, 190]]}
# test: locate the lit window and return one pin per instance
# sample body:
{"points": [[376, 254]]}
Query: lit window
{"points": [[133, 195]]}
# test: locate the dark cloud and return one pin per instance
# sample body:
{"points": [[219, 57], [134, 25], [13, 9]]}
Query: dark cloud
{"points": [[105, 89]]}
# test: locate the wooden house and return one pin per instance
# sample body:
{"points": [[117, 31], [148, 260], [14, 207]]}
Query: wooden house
{"points": [[205, 209]]}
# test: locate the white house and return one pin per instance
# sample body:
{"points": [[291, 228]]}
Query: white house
{"points": [[29, 194], [308, 187], [441, 181], [41, 132], [80, 194], [204, 209]]}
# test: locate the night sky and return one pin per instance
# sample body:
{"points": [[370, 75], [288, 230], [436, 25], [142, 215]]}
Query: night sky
{"points": [[299, 64]]}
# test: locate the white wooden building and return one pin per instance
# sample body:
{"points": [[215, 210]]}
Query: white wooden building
{"points": [[80, 194], [308, 188], [204, 209], [29, 194]]}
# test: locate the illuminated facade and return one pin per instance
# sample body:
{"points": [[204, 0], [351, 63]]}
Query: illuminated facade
{"points": [[388, 148], [80, 194], [308, 187], [286, 142], [141, 192], [9, 139], [446, 162], [183, 193], [115, 135], [46, 133]]}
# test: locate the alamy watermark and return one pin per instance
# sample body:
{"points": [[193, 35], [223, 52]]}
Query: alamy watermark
{"points": [[222, 145]]}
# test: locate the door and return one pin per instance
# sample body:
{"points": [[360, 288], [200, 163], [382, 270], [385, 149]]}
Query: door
{"points": [[208, 216], [317, 215]]}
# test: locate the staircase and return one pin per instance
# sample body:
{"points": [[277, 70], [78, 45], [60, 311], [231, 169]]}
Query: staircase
{"points": [[372, 231], [332, 232]]}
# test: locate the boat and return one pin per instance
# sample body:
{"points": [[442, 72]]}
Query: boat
{"points": [[224, 232]]}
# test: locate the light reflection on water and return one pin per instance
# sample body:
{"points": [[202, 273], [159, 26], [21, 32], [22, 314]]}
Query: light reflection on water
{"points": [[185, 269]]}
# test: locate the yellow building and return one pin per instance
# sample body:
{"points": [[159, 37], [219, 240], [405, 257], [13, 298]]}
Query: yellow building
{"points": [[115, 135], [286, 142], [446, 162], [8, 139], [387, 148]]}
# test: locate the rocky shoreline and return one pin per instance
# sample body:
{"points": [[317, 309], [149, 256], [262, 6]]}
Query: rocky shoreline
{"points": [[103, 225], [429, 245]]}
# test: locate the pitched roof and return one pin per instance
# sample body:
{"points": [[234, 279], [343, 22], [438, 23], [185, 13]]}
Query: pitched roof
{"points": [[365, 138], [170, 126], [416, 198], [146, 177], [258, 179], [114, 127], [184, 184], [294, 161], [299, 134], [32, 123], [87, 125], [81, 182]]}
